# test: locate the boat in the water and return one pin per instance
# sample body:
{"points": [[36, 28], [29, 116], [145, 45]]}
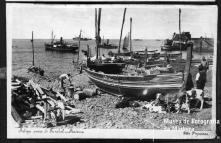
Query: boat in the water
{"points": [[137, 39], [179, 42], [61, 46], [81, 38], [107, 45], [203, 44]]}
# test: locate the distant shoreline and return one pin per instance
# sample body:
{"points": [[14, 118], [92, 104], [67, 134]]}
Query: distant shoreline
{"points": [[110, 39]]}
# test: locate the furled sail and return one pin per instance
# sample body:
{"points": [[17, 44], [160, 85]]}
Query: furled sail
{"points": [[126, 42]]}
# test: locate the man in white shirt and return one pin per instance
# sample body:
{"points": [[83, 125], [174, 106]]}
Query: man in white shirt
{"points": [[64, 77], [201, 78]]}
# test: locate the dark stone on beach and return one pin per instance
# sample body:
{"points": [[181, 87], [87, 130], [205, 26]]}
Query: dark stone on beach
{"points": [[127, 103]]}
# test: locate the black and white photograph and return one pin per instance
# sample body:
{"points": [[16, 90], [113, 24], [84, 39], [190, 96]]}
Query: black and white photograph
{"points": [[111, 71]]}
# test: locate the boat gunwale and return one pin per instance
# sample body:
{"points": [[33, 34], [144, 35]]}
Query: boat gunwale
{"points": [[106, 78], [117, 75], [136, 85]]}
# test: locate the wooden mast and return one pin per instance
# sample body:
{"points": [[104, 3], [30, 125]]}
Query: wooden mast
{"points": [[96, 33], [180, 30], [52, 36], [79, 45], [97, 30], [32, 43], [146, 56], [130, 34], [121, 30], [187, 67], [98, 25], [95, 23], [88, 52]]}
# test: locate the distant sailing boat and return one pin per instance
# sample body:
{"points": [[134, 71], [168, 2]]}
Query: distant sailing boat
{"points": [[33, 68], [126, 42]]}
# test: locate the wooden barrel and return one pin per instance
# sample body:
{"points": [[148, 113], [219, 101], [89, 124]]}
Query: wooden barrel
{"points": [[90, 92]]}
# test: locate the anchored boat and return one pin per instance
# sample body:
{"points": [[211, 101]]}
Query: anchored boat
{"points": [[107, 45], [61, 45], [178, 42]]}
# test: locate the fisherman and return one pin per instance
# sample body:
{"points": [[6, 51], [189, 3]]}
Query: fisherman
{"points": [[201, 78], [204, 64], [64, 77], [202, 74]]}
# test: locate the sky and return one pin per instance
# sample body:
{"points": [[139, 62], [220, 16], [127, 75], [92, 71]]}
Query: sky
{"points": [[149, 21]]}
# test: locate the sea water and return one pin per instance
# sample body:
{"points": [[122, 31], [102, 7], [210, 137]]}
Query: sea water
{"points": [[53, 61]]}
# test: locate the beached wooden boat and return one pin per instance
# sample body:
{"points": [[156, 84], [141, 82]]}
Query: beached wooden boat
{"points": [[146, 84], [108, 68], [153, 54], [141, 85], [172, 54], [136, 85]]}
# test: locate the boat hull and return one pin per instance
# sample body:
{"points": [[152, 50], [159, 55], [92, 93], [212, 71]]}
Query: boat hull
{"points": [[173, 48], [107, 67], [108, 47], [138, 86], [49, 47]]}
